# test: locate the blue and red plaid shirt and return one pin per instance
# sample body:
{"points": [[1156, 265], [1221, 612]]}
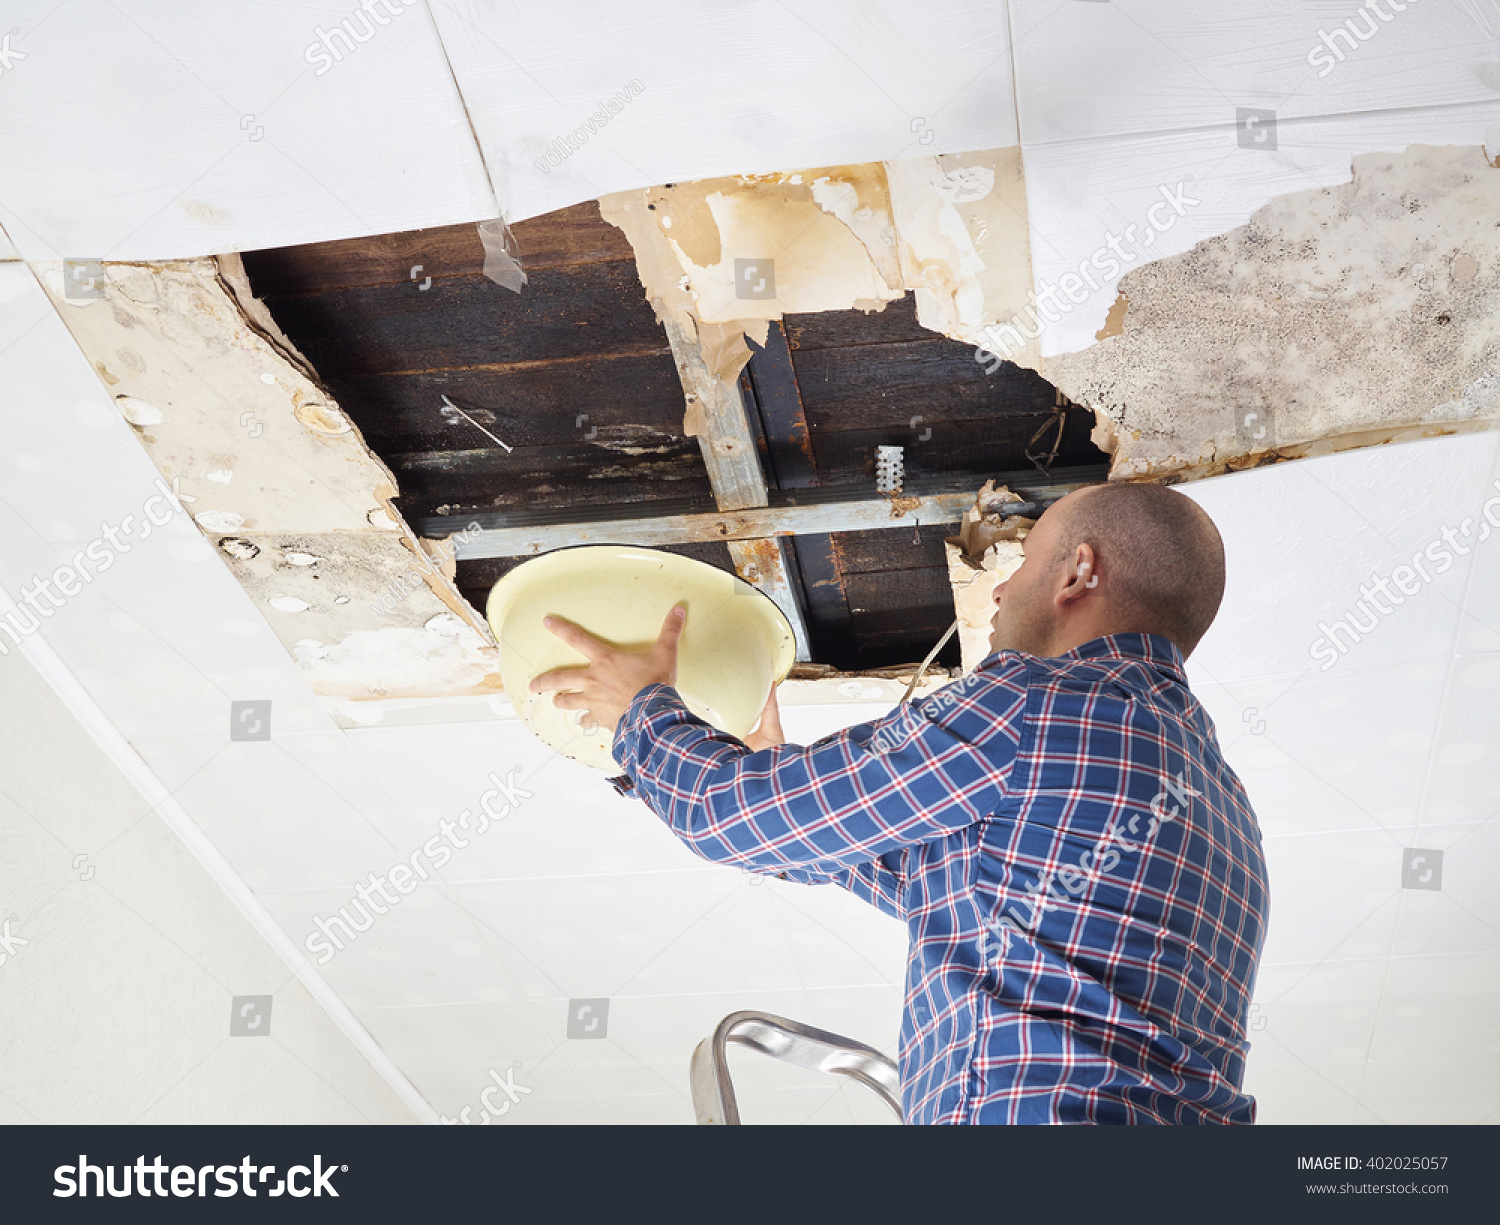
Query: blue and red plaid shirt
{"points": [[1080, 871]]}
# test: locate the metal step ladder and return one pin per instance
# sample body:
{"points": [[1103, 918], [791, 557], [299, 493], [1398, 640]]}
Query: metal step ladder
{"points": [[791, 1042]]}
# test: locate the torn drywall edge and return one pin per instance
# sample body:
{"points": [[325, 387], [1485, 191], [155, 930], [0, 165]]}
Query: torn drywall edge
{"points": [[208, 387], [237, 283], [835, 689]]}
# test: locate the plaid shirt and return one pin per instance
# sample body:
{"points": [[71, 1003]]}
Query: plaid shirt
{"points": [[1080, 871]]}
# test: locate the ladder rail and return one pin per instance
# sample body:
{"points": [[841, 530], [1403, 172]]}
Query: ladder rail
{"points": [[791, 1042]]}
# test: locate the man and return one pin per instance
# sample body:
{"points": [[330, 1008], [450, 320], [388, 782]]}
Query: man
{"points": [[1080, 871]]}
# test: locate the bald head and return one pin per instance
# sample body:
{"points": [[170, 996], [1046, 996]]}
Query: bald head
{"points": [[1112, 559], [1158, 551]]}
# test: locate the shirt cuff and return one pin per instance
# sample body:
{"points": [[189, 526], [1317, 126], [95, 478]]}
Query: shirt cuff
{"points": [[628, 730]]}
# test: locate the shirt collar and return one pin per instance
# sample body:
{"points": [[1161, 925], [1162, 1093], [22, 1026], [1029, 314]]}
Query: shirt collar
{"points": [[1161, 653]]}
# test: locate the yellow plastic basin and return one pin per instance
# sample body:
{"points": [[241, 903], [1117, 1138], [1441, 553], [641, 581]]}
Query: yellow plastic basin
{"points": [[735, 646]]}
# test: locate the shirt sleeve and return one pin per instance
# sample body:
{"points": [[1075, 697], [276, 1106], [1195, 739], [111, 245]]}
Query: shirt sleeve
{"points": [[921, 773], [881, 882]]}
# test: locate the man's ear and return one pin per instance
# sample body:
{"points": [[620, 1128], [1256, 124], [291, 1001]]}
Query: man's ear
{"points": [[1081, 577]]}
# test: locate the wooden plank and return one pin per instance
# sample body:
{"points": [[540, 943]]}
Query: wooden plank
{"points": [[578, 312], [720, 525], [769, 386], [830, 629], [612, 401], [728, 445], [954, 449], [575, 235], [763, 564], [831, 329], [874, 552], [876, 384], [900, 590], [575, 477]]}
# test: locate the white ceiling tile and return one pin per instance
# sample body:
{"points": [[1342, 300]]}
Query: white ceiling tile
{"points": [[1169, 64], [1451, 1088], [426, 950], [871, 1015], [1463, 916], [302, 1027], [299, 799], [662, 1109], [188, 137], [144, 869], [601, 935], [720, 89], [257, 1083], [568, 821], [1443, 1006], [1085, 194], [1302, 769], [1461, 782], [1480, 628], [737, 945], [52, 815], [1317, 1015], [1300, 1093], [1288, 585], [1333, 895], [11, 1111], [837, 940], [455, 1053], [84, 947]]}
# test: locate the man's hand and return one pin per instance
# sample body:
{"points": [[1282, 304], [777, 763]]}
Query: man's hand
{"points": [[769, 734], [604, 688]]}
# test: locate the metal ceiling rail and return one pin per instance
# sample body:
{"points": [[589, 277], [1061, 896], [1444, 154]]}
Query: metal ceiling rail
{"points": [[804, 512]]}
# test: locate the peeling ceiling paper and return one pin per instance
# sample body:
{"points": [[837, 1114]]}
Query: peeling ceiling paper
{"points": [[724, 252], [987, 551], [1335, 318]]}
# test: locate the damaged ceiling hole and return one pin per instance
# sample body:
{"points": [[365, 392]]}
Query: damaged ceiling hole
{"points": [[582, 360]]}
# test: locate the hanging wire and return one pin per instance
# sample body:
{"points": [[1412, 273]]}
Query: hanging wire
{"points": [[1060, 420], [927, 663]]}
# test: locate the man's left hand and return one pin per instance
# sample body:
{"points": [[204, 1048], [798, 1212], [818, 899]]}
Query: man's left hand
{"points": [[604, 688]]}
